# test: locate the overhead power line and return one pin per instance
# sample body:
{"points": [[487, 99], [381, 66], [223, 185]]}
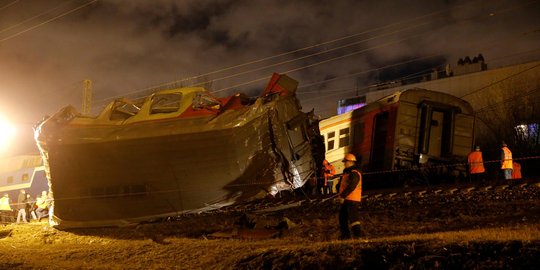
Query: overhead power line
{"points": [[350, 54], [296, 69], [319, 63], [268, 66], [499, 81], [406, 22], [508, 100], [472, 92], [400, 63], [48, 21], [33, 17], [304, 67], [8, 5]]}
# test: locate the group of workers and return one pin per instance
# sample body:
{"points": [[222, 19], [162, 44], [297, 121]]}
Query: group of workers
{"points": [[350, 185], [25, 207], [510, 168]]}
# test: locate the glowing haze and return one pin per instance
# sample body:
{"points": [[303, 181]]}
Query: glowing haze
{"points": [[7, 133]]}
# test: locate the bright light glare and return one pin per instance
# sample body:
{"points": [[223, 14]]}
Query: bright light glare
{"points": [[7, 132]]}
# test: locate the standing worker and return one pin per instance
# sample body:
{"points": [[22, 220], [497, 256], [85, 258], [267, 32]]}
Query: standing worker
{"points": [[4, 203], [5, 209], [21, 207], [328, 172], [506, 161], [350, 195], [476, 165]]}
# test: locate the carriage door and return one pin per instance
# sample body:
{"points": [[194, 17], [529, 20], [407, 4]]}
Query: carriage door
{"points": [[436, 129], [380, 130], [436, 133]]}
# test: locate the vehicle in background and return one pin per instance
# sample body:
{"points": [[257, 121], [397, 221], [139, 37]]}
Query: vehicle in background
{"points": [[22, 172]]}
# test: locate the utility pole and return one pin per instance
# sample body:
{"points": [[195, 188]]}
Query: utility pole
{"points": [[87, 98]]}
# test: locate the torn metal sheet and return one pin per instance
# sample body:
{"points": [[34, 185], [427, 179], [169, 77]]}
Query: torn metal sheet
{"points": [[179, 150]]}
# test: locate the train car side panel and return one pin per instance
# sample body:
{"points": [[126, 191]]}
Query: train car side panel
{"points": [[406, 138], [463, 135], [330, 129], [382, 142]]}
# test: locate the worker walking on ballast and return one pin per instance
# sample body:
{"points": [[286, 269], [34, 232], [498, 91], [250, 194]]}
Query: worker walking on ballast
{"points": [[476, 165], [350, 195]]}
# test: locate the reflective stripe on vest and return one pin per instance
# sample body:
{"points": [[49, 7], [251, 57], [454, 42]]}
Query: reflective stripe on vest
{"points": [[476, 164], [356, 194], [507, 162]]}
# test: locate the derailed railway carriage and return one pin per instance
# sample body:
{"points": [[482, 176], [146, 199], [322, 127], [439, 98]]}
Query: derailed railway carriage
{"points": [[178, 150], [410, 129]]}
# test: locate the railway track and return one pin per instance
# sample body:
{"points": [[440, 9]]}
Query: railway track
{"points": [[373, 199]]}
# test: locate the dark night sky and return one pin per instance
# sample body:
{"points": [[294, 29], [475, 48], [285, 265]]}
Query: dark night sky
{"points": [[47, 48]]}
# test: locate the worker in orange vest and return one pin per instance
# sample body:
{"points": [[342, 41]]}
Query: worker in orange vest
{"points": [[476, 165], [350, 195], [506, 161], [516, 170], [328, 171]]}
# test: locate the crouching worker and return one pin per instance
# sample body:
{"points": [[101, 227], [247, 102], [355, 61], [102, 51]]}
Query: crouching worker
{"points": [[350, 195], [42, 203]]}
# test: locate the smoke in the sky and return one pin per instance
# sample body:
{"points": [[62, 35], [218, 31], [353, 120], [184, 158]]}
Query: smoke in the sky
{"points": [[125, 47]]}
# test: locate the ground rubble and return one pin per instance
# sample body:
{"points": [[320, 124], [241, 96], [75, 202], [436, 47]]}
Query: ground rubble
{"points": [[471, 227]]}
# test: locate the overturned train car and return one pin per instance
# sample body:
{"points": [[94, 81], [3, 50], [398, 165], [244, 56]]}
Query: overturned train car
{"points": [[179, 150], [407, 136]]}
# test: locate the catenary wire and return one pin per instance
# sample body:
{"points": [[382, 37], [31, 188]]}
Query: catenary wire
{"points": [[306, 48], [33, 17], [48, 21], [8, 5]]}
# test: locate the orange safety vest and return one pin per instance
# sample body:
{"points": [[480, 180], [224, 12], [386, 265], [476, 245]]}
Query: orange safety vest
{"points": [[356, 194], [476, 163], [507, 162], [332, 172]]}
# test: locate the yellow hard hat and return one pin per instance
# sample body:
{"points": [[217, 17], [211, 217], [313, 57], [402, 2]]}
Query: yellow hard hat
{"points": [[349, 157]]}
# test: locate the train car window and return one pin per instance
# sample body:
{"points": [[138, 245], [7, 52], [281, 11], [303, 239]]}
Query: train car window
{"points": [[343, 137], [166, 103], [123, 110], [330, 145], [330, 142], [25, 177]]}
